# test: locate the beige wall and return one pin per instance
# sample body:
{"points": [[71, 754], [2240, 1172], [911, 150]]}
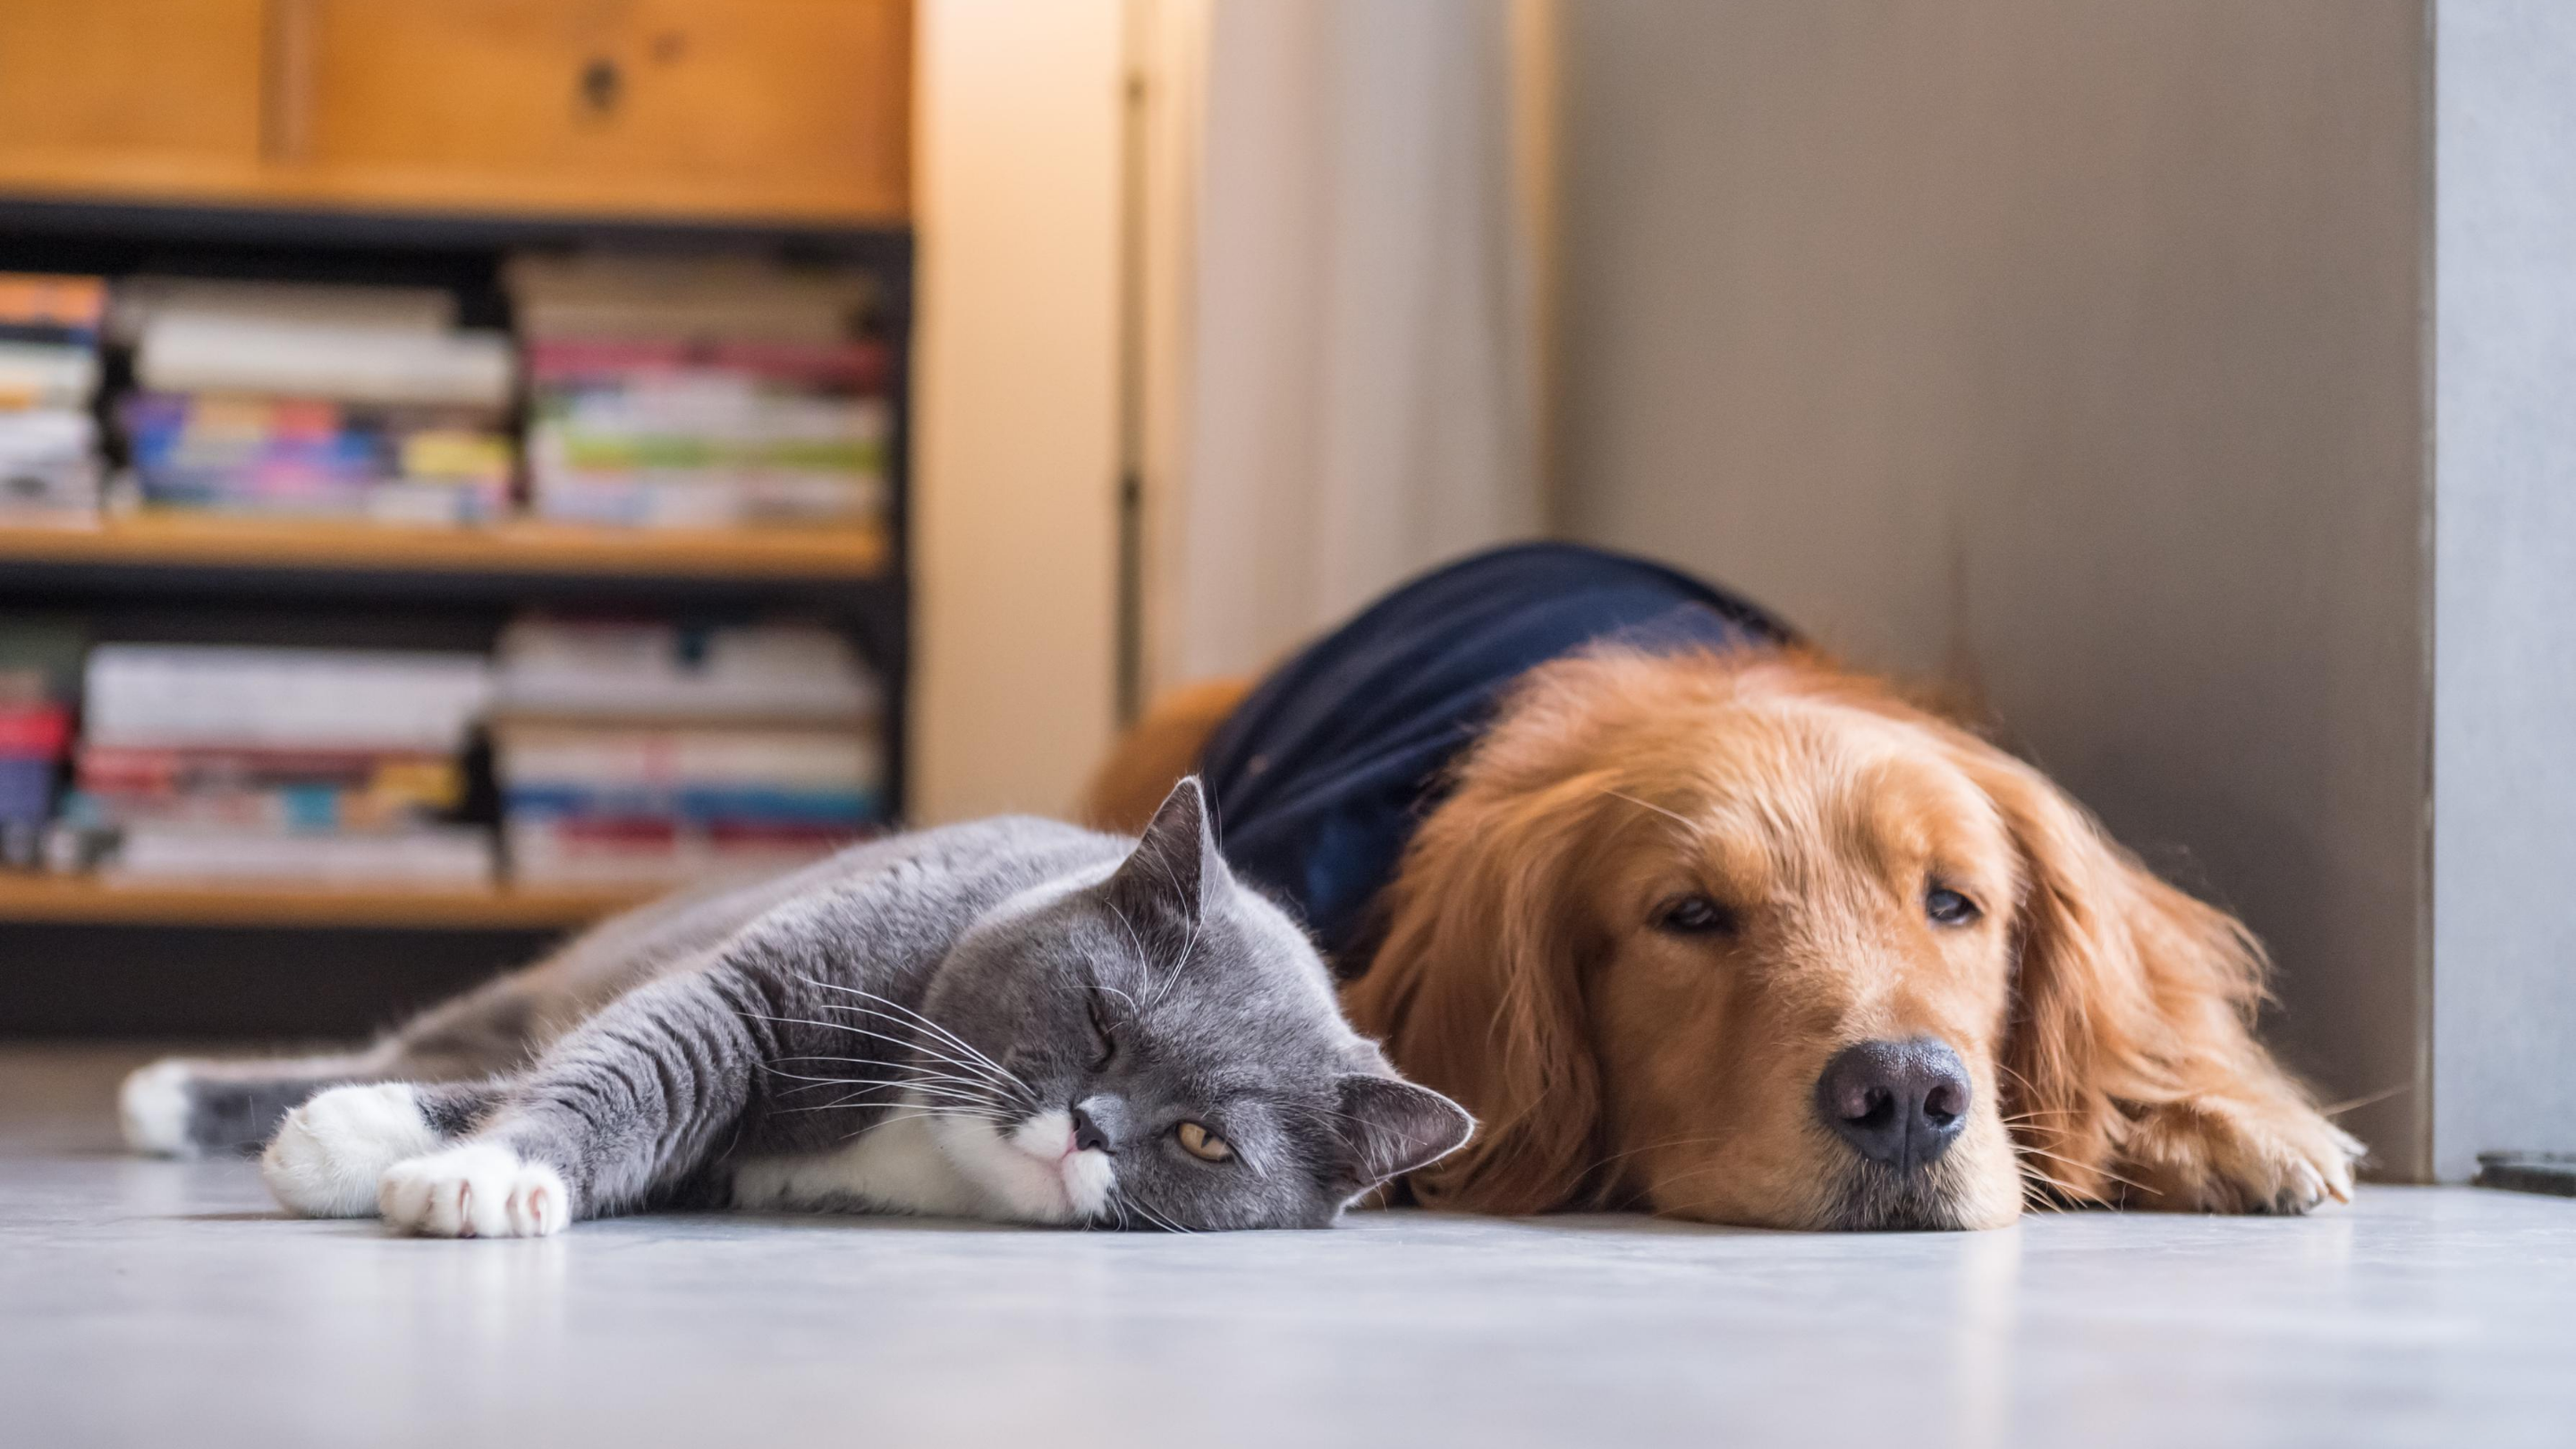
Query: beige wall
{"points": [[2070, 351], [1016, 408]]}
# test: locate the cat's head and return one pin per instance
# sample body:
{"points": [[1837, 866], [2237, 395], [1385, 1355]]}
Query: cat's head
{"points": [[1178, 1057]]}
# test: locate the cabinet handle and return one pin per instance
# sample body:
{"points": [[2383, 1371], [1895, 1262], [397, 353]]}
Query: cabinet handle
{"points": [[600, 85]]}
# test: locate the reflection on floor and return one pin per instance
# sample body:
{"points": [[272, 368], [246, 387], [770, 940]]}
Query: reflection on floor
{"points": [[151, 1302]]}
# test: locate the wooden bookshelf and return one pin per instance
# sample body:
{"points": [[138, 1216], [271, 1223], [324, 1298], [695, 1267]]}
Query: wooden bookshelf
{"points": [[358, 141], [512, 548], [79, 900]]}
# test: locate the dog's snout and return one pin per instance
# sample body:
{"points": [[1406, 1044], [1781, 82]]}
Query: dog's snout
{"points": [[1898, 1103]]}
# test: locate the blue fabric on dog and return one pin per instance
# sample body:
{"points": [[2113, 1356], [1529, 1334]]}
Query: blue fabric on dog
{"points": [[1320, 775]]}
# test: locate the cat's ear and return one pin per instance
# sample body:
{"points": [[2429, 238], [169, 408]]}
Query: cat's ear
{"points": [[1390, 1127], [1166, 878]]}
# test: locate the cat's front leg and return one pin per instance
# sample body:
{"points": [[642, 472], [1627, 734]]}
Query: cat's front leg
{"points": [[635, 1099], [330, 1154]]}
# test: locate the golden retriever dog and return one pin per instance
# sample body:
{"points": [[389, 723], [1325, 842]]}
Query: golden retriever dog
{"points": [[1741, 936]]}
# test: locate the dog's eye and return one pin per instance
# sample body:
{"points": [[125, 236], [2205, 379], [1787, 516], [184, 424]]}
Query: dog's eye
{"points": [[1948, 907], [1202, 1144], [1100, 1029], [1694, 915]]}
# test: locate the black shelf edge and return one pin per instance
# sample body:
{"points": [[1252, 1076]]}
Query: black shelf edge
{"points": [[381, 229]]}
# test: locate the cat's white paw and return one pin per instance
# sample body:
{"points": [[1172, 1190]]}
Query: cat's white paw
{"points": [[479, 1190], [152, 1107], [329, 1153]]}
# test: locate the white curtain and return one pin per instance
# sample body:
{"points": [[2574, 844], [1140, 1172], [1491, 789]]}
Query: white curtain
{"points": [[1355, 396]]}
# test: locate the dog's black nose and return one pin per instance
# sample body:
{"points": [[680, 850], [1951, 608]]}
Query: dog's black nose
{"points": [[1087, 1134], [1900, 1103]]}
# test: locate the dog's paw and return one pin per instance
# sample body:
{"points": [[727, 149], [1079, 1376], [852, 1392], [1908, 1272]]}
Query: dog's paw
{"points": [[152, 1107], [329, 1153], [2228, 1156], [480, 1190]]}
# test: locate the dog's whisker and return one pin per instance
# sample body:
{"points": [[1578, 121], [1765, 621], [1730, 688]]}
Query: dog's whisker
{"points": [[2098, 1171], [1599, 1163], [1673, 816], [2355, 1104]]}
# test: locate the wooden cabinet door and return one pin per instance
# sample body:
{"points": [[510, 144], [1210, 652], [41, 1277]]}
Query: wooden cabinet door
{"points": [[786, 108], [119, 96]]}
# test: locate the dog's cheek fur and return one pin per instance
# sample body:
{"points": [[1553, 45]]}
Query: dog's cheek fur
{"points": [[1478, 990], [2134, 1074], [1686, 1129]]}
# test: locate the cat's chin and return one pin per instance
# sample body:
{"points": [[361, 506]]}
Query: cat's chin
{"points": [[1030, 1173]]}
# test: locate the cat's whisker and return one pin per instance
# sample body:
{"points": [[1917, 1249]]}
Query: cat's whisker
{"points": [[912, 1043], [920, 1109], [1151, 1216], [898, 1116], [911, 1020], [939, 1095], [1197, 920], [928, 1058], [978, 1091], [925, 1045], [926, 1110], [811, 1082], [909, 1042], [943, 1033], [1132, 1008], [776, 1071], [943, 1096], [1133, 939], [960, 1094], [926, 1076]]}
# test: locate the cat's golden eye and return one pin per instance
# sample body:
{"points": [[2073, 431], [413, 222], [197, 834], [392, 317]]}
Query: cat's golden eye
{"points": [[1202, 1144]]}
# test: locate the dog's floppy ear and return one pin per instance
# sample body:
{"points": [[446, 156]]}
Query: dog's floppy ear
{"points": [[2130, 1062], [1477, 990]]}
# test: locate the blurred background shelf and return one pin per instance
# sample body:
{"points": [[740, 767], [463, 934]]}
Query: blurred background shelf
{"points": [[61, 900], [349, 143], [519, 547]]}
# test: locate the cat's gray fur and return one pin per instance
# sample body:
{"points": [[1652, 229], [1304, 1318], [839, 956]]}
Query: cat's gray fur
{"points": [[912, 1025]]}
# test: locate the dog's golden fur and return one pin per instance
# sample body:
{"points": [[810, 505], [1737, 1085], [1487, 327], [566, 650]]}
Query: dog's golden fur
{"points": [[1526, 968]]}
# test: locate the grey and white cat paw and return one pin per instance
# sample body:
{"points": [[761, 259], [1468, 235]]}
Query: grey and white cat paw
{"points": [[329, 1154], [479, 1190], [152, 1107]]}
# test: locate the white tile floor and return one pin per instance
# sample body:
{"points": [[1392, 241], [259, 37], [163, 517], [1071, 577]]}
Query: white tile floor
{"points": [[160, 1303]]}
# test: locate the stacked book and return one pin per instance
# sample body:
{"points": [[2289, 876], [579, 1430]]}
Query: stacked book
{"points": [[39, 670], [700, 394], [49, 455], [316, 401], [317, 765], [640, 754]]}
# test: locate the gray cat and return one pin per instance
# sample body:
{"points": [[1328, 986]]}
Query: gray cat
{"points": [[1013, 1019]]}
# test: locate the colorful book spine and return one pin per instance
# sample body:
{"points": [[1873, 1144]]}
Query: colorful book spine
{"points": [[50, 469]]}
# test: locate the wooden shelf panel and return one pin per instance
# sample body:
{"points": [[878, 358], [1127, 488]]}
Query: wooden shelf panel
{"points": [[513, 548], [782, 109], [76, 900]]}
